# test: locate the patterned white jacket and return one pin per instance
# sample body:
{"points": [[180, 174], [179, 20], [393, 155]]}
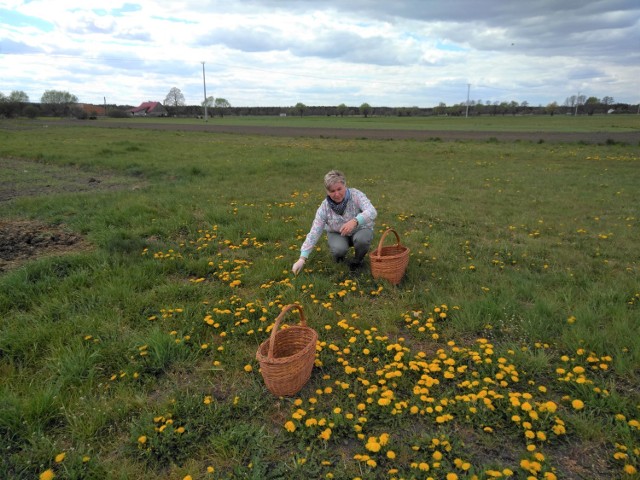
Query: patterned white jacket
{"points": [[358, 207]]}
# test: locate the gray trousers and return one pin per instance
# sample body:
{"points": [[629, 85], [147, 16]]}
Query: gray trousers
{"points": [[360, 241]]}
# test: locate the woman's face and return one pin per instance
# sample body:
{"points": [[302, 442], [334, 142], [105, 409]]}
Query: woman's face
{"points": [[337, 191]]}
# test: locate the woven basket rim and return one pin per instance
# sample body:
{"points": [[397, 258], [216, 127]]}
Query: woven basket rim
{"points": [[377, 258], [263, 349]]}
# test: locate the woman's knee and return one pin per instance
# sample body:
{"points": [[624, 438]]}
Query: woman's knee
{"points": [[362, 239], [338, 246]]}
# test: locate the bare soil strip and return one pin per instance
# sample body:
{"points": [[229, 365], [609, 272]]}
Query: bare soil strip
{"points": [[374, 134]]}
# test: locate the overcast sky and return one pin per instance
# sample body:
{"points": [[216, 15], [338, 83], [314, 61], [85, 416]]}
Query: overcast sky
{"points": [[396, 53]]}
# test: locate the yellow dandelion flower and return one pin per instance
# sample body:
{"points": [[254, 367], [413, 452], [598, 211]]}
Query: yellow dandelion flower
{"points": [[577, 404], [391, 454], [248, 368], [290, 426], [373, 446], [629, 469], [60, 457], [142, 439], [47, 475]]}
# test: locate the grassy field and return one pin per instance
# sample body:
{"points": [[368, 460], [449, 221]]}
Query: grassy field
{"points": [[502, 123], [511, 349]]}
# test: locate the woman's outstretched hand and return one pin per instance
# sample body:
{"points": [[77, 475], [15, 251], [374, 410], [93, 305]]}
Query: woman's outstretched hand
{"points": [[298, 266]]}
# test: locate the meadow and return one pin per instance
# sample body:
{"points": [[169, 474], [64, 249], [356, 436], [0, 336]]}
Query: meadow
{"points": [[511, 348], [502, 123]]}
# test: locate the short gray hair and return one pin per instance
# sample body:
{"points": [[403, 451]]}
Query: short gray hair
{"points": [[333, 177]]}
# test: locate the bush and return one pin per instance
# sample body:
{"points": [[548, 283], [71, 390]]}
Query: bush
{"points": [[31, 111], [116, 113]]}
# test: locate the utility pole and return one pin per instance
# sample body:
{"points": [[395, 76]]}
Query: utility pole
{"points": [[468, 90], [204, 84]]}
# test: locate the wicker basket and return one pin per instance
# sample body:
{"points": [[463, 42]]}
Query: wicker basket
{"points": [[389, 262], [287, 357]]}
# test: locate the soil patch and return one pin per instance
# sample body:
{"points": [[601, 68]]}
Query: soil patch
{"points": [[375, 134], [24, 178], [23, 240]]}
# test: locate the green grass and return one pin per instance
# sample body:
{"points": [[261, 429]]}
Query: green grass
{"points": [[522, 295], [484, 123]]}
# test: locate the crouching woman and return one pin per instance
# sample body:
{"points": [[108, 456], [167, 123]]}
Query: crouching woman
{"points": [[347, 215]]}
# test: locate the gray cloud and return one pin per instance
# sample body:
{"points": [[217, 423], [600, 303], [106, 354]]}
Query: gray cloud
{"points": [[541, 27], [399, 52]]}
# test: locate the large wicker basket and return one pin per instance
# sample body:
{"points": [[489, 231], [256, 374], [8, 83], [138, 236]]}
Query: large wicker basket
{"points": [[389, 262], [287, 357]]}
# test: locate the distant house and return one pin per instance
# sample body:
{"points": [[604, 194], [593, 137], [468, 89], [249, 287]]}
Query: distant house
{"points": [[149, 109], [92, 110]]}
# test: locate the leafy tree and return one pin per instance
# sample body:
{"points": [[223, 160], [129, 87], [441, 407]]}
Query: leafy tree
{"points": [[300, 108], [341, 109], [365, 109], [607, 101], [58, 97], [59, 102], [220, 104], [552, 108], [208, 102], [174, 98], [18, 96], [591, 104]]}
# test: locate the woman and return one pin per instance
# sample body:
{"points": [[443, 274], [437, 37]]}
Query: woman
{"points": [[346, 214]]}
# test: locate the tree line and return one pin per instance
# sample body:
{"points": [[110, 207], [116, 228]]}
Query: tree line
{"points": [[64, 104]]}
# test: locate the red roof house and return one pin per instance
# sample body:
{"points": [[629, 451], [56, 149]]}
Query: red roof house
{"points": [[149, 109]]}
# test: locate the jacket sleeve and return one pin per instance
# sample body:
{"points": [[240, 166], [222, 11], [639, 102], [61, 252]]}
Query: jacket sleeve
{"points": [[368, 213], [317, 227]]}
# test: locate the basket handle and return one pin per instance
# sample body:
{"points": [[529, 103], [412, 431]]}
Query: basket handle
{"points": [[272, 338], [379, 249]]}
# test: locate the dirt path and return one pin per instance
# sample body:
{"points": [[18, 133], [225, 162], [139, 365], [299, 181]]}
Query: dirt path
{"points": [[380, 134]]}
